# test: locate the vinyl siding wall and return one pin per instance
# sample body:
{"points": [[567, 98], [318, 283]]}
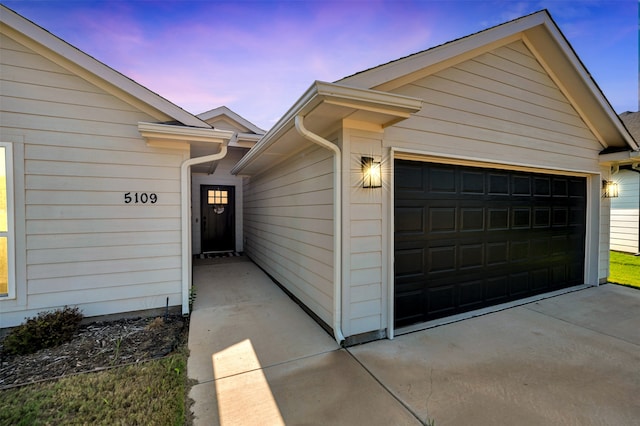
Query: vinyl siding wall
{"points": [[625, 213], [365, 242], [501, 106], [288, 226], [80, 153]]}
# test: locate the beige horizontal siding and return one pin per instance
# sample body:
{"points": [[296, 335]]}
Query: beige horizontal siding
{"points": [[82, 153], [367, 254], [500, 106], [288, 225]]}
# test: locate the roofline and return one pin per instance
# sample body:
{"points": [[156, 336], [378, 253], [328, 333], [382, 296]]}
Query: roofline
{"points": [[224, 110], [393, 74], [392, 70], [587, 78], [71, 58], [335, 94], [188, 134]]}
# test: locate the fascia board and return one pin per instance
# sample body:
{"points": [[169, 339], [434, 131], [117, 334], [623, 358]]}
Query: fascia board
{"points": [[384, 76], [307, 101], [226, 111], [622, 157], [398, 106], [368, 100], [565, 61], [76, 61], [155, 131]]}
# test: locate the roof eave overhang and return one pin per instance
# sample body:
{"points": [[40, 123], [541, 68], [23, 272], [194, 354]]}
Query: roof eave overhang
{"points": [[569, 73], [160, 135], [547, 43], [620, 158], [333, 103], [76, 61]]}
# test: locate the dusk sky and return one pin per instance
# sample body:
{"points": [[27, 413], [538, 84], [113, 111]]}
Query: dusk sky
{"points": [[258, 57]]}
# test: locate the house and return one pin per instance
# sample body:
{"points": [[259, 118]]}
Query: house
{"points": [[463, 178], [625, 209], [98, 177]]}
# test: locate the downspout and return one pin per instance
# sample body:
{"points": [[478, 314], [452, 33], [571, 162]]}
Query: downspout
{"points": [[337, 224], [185, 203]]}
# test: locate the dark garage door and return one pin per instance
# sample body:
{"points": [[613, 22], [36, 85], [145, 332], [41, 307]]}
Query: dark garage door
{"points": [[467, 238]]}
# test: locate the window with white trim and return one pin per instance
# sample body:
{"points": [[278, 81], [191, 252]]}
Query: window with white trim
{"points": [[7, 268]]}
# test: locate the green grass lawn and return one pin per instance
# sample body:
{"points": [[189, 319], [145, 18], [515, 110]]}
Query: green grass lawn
{"points": [[150, 393], [624, 269]]}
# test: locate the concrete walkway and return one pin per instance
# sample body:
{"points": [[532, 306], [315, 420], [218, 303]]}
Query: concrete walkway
{"points": [[258, 359]]}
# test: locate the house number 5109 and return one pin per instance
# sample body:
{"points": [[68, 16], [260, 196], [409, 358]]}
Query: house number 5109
{"points": [[140, 198]]}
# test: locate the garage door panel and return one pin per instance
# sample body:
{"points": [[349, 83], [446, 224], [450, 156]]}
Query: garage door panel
{"points": [[442, 180], [441, 300], [497, 290], [441, 219], [488, 236], [410, 220], [518, 284], [471, 256], [409, 263], [410, 306], [471, 294], [441, 259]]}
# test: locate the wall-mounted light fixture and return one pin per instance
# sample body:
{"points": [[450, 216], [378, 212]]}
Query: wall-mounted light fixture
{"points": [[609, 189], [371, 173]]}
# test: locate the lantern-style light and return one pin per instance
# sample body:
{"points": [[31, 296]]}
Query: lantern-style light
{"points": [[609, 189], [371, 173]]}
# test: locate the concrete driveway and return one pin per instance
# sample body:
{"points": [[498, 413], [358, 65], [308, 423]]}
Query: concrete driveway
{"points": [[259, 359]]}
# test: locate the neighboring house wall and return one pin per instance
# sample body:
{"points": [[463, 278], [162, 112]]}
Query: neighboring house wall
{"points": [[625, 213], [80, 151], [288, 226]]}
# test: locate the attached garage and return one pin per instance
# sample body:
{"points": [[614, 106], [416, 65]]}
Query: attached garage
{"points": [[491, 149], [469, 237]]}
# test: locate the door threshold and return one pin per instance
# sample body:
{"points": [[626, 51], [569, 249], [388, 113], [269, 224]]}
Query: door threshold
{"points": [[488, 310]]}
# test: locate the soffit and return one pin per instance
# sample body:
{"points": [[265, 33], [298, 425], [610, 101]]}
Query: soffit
{"points": [[324, 106]]}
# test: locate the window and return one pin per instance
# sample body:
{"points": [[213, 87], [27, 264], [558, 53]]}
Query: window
{"points": [[216, 196], [7, 289]]}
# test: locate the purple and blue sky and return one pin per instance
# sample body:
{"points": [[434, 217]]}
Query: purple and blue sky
{"points": [[258, 57]]}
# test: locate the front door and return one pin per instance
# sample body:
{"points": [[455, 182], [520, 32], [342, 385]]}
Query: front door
{"points": [[218, 218]]}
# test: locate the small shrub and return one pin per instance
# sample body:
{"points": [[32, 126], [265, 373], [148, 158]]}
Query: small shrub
{"points": [[46, 330]]}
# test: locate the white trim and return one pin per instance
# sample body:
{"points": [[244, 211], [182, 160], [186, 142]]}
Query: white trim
{"points": [[185, 218], [464, 160], [389, 107], [10, 233], [164, 132], [225, 111], [391, 272]]}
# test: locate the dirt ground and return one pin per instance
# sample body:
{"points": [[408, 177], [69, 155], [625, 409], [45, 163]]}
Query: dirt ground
{"points": [[97, 346]]}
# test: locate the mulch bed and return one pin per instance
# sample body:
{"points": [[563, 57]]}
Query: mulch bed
{"points": [[97, 346]]}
